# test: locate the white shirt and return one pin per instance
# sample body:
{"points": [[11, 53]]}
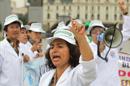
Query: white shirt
{"points": [[126, 28], [81, 75], [126, 35], [33, 69], [107, 72], [26, 50], [10, 65]]}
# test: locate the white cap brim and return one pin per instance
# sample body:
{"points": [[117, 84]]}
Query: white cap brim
{"points": [[51, 39]]}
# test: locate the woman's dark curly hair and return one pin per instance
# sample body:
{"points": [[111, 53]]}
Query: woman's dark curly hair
{"points": [[74, 56]]}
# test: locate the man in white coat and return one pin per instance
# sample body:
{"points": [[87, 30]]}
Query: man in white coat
{"points": [[10, 61], [107, 71]]}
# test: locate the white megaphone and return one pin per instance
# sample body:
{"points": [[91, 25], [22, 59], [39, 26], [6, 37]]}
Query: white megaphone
{"points": [[113, 37]]}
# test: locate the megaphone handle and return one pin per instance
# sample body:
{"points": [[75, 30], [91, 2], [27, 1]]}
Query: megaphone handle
{"points": [[98, 52]]}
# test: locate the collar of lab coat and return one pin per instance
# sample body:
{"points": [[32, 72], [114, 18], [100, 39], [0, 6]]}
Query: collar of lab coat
{"points": [[63, 77], [9, 47]]}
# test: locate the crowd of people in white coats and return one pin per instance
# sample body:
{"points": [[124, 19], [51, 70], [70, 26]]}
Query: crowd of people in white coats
{"points": [[74, 55]]}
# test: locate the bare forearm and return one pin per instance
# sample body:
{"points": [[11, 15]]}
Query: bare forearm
{"points": [[85, 49]]}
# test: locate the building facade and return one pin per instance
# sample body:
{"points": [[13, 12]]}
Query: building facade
{"points": [[105, 10], [5, 9]]}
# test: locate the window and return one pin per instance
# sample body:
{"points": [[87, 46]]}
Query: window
{"points": [[107, 8], [78, 16], [92, 16], [57, 15], [115, 17], [106, 16], [64, 8], [48, 8], [66, 1], [92, 8], [107, 0], [78, 8], [120, 17], [36, 2], [86, 8], [98, 16], [51, 1], [69, 7], [57, 7], [98, 8], [115, 9], [86, 16], [48, 16]]}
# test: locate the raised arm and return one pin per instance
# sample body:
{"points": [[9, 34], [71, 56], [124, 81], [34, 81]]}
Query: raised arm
{"points": [[79, 32], [126, 19]]}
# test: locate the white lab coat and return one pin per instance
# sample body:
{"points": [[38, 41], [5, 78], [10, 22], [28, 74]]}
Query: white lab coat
{"points": [[10, 65], [107, 72], [32, 69], [81, 75], [26, 50], [126, 28], [126, 33]]}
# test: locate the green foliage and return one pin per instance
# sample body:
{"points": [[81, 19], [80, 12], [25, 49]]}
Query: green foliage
{"points": [[23, 18]]}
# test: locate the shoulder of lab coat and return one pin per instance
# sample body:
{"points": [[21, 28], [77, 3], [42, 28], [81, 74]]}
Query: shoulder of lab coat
{"points": [[4, 45], [126, 27], [10, 59], [81, 75]]}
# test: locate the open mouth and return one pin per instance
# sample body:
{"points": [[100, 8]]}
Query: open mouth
{"points": [[56, 58]]}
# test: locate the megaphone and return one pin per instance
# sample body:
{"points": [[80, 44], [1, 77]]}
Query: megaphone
{"points": [[113, 37]]}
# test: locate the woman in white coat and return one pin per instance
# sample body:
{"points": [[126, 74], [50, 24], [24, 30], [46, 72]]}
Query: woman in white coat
{"points": [[63, 58], [10, 61]]}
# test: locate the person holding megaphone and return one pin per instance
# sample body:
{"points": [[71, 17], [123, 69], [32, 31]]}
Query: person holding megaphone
{"points": [[107, 64]]}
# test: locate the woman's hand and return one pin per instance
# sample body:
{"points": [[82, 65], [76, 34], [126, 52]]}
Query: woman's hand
{"points": [[36, 46], [78, 30], [26, 58]]}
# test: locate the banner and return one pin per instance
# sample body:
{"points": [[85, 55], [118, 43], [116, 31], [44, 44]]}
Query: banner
{"points": [[124, 69]]}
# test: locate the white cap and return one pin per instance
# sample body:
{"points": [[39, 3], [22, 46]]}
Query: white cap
{"points": [[60, 25], [27, 27], [96, 23], [36, 27], [10, 19], [63, 34]]}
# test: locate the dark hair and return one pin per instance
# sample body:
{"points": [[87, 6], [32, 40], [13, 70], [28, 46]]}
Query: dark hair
{"points": [[74, 56], [16, 22], [94, 28]]}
